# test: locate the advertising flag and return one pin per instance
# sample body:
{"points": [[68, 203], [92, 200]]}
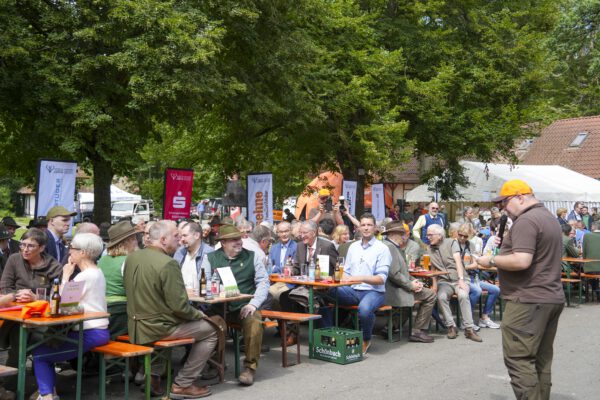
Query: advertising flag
{"points": [[378, 201], [178, 193], [260, 197], [55, 186], [349, 192]]}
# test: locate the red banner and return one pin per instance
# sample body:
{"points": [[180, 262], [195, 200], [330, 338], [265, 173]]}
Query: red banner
{"points": [[178, 193]]}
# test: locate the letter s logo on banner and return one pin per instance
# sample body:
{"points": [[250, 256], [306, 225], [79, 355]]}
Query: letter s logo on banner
{"points": [[179, 201]]}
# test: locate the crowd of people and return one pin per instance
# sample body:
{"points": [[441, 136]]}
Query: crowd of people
{"points": [[143, 274]]}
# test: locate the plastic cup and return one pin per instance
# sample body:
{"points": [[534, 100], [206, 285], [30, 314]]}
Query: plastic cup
{"points": [[40, 294]]}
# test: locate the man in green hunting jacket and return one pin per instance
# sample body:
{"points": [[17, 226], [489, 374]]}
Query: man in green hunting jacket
{"points": [[158, 308], [251, 277]]}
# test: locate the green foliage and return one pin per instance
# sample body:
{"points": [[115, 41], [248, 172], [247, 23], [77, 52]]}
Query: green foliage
{"points": [[575, 78]]}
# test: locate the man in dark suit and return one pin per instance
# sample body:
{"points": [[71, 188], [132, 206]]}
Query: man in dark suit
{"points": [[12, 226], [312, 246], [59, 222], [278, 256]]}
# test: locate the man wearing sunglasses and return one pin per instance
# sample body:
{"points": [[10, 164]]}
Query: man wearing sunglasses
{"points": [[529, 270]]}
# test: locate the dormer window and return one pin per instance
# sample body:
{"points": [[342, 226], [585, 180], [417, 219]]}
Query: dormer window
{"points": [[579, 139]]}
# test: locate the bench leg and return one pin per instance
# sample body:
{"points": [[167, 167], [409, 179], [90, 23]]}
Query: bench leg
{"points": [[298, 342], [102, 377], [147, 375], [169, 373], [126, 377], [390, 325], [283, 334]]}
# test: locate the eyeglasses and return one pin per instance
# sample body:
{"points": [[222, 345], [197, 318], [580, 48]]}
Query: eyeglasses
{"points": [[463, 236], [434, 208], [74, 248], [507, 200], [432, 234], [28, 246]]}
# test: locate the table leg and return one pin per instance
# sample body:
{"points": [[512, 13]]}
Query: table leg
{"points": [[336, 308], [311, 310], [79, 361], [22, 362]]}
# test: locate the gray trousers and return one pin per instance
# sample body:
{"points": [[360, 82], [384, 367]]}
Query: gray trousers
{"points": [[202, 349], [444, 294], [427, 298]]}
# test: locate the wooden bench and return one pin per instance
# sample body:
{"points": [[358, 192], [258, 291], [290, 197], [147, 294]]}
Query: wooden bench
{"points": [[8, 371], [163, 349], [119, 353], [389, 310], [282, 319]]}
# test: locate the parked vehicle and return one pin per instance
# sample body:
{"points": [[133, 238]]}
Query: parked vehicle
{"points": [[137, 210]]}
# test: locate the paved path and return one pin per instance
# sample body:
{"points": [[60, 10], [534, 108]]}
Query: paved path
{"points": [[447, 369]]}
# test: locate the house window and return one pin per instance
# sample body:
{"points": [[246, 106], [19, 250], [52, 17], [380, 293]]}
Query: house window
{"points": [[579, 139]]}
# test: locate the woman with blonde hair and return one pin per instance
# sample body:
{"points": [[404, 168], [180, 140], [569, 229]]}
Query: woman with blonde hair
{"points": [[340, 235]]}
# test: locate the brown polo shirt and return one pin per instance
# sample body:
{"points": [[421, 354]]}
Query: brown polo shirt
{"points": [[536, 231]]}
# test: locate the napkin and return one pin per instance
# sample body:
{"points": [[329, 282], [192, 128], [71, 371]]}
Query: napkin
{"points": [[40, 307]]}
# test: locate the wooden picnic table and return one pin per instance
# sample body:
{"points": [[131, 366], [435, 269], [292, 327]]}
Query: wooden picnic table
{"points": [[427, 273], [58, 329]]}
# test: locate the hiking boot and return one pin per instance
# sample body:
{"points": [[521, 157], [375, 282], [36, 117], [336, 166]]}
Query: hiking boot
{"points": [[488, 323], [470, 334], [247, 377], [190, 392], [452, 332]]}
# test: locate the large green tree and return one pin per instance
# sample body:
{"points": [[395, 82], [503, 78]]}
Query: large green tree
{"points": [[92, 80], [576, 76]]}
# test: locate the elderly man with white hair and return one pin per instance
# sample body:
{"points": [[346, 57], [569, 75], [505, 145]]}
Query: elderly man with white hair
{"points": [[445, 256]]}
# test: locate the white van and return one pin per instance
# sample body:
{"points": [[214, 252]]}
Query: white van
{"points": [[137, 210]]}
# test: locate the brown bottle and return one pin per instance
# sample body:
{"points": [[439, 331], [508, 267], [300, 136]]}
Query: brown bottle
{"points": [[337, 276], [203, 284], [318, 271], [55, 300]]}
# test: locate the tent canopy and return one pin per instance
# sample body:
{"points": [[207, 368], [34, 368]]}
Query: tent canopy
{"points": [[116, 194], [550, 183]]}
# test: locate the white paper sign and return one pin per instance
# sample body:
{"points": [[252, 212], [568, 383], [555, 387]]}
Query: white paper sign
{"points": [[229, 282], [349, 192], [324, 264], [378, 202], [71, 293]]}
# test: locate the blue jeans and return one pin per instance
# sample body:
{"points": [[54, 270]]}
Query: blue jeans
{"points": [[476, 287], [45, 356], [368, 301]]}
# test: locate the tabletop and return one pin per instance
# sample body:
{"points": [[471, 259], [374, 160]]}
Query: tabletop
{"points": [[219, 300], [427, 273], [579, 260], [49, 321], [318, 284]]}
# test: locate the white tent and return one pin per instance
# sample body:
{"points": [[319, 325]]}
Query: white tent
{"points": [[116, 194], [554, 185]]}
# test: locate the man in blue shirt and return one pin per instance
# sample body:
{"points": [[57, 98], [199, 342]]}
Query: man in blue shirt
{"points": [[279, 254], [367, 266]]}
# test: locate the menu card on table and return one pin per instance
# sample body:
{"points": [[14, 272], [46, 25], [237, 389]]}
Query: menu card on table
{"points": [[229, 282], [324, 264]]}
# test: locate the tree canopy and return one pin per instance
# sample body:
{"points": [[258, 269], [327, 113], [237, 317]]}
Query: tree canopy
{"points": [[290, 87]]}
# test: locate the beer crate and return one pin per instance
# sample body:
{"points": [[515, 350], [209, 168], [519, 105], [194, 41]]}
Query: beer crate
{"points": [[338, 345]]}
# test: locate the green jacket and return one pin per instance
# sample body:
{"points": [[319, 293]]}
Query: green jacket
{"points": [[157, 302]]}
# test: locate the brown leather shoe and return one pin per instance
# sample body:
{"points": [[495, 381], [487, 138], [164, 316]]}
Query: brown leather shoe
{"points": [[247, 377], [452, 332], [291, 339], [420, 336], [190, 392], [470, 334]]}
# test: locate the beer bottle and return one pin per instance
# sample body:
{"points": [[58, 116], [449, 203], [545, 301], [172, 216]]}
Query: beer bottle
{"points": [[203, 284], [336, 272], [55, 300], [318, 271]]}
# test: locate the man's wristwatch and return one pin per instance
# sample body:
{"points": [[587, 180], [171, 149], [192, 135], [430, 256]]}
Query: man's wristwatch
{"points": [[492, 261]]}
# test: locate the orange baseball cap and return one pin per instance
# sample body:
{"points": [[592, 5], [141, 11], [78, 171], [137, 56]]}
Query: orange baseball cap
{"points": [[513, 187]]}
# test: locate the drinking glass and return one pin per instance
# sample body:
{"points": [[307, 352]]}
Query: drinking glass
{"points": [[40, 293]]}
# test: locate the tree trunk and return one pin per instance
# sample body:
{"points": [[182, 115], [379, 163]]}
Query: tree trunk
{"points": [[103, 174]]}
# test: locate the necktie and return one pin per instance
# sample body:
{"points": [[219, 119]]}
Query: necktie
{"points": [[311, 253]]}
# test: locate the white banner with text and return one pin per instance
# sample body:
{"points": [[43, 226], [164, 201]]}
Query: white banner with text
{"points": [[260, 197], [55, 186]]}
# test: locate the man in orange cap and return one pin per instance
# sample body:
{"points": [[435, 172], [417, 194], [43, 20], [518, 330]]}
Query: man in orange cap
{"points": [[529, 269]]}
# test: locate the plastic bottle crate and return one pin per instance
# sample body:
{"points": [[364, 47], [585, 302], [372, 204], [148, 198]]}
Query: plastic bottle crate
{"points": [[338, 345]]}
